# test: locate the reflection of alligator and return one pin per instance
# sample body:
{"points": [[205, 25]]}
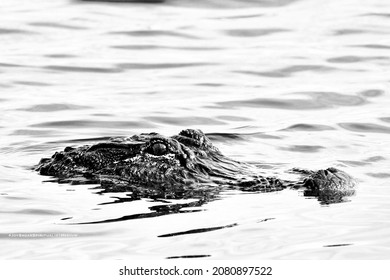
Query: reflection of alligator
{"points": [[182, 166]]}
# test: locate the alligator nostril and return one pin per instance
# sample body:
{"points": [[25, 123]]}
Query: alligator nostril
{"points": [[159, 149]]}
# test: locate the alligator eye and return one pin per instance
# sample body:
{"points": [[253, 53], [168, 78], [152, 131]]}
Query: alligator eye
{"points": [[159, 149]]}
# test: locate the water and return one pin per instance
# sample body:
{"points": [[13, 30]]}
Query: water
{"points": [[279, 83]]}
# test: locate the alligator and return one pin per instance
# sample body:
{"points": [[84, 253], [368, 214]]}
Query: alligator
{"points": [[186, 165]]}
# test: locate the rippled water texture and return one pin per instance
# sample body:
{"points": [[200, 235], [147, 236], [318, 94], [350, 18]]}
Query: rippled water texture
{"points": [[279, 83]]}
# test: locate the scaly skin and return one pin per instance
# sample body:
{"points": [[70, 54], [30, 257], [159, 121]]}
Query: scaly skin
{"points": [[182, 166]]}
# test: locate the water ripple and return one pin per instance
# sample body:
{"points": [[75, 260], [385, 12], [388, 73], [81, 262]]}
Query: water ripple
{"points": [[56, 25], [54, 107], [386, 119], [371, 93], [288, 71], [152, 47], [317, 100], [82, 69], [60, 55], [154, 33], [11, 65], [341, 32], [308, 127], [365, 127], [7, 31], [380, 175], [198, 230], [373, 46], [354, 59], [145, 66], [33, 212], [31, 83], [254, 32], [189, 257], [303, 148], [184, 121], [127, 1], [89, 124]]}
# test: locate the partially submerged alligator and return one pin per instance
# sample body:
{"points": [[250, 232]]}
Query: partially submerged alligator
{"points": [[182, 166]]}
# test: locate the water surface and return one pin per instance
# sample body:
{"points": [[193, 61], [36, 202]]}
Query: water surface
{"points": [[280, 84]]}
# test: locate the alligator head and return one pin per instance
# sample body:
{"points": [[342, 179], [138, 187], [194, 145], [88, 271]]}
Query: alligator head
{"points": [[171, 165]]}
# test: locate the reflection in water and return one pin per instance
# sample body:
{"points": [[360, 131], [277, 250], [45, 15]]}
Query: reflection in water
{"points": [[157, 211], [198, 230], [338, 245], [189, 257]]}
